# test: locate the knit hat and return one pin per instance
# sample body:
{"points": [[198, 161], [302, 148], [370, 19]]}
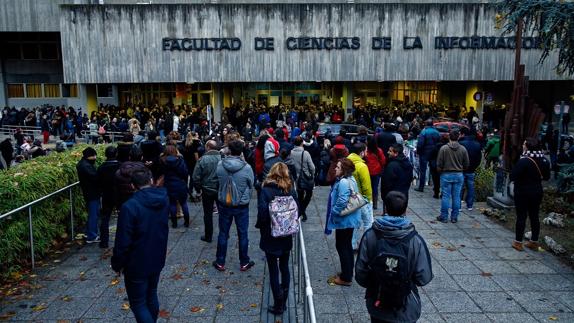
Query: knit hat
{"points": [[89, 152]]}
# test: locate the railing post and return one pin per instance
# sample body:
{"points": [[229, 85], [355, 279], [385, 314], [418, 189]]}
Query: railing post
{"points": [[72, 213], [31, 236]]}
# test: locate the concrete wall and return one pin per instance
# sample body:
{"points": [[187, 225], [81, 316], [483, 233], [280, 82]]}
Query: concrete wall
{"points": [[29, 15], [123, 44]]}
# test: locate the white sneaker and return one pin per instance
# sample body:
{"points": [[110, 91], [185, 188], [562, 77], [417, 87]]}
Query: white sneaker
{"points": [[97, 239], [469, 209]]}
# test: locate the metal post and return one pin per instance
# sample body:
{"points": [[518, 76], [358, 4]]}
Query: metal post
{"points": [[72, 213], [31, 236], [560, 127]]}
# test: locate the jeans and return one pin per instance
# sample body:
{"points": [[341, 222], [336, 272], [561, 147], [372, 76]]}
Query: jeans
{"points": [[207, 202], [469, 184], [367, 220], [173, 208], [106, 213], [344, 246], [450, 186], [93, 207], [527, 206], [142, 295], [226, 216], [304, 200], [423, 161], [278, 264], [375, 187]]}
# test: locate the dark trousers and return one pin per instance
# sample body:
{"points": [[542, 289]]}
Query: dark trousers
{"points": [[207, 202], [142, 294], [344, 246], [527, 206], [173, 208], [374, 320], [105, 215], [423, 161], [375, 187], [304, 200], [277, 264], [226, 216], [435, 176]]}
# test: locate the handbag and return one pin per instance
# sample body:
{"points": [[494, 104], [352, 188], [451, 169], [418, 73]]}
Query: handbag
{"points": [[356, 201], [305, 182]]}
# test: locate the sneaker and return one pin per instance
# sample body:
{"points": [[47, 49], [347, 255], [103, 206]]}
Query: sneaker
{"points": [[95, 240], [247, 266], [469, 209], [438, 218], [218, 266]]}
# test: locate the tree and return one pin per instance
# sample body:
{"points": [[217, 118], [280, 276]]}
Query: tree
{"points": [[552, 20]]}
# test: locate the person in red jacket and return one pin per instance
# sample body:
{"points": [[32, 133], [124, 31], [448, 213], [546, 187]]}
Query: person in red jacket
{"points": [[338, 151], [375, 160]]}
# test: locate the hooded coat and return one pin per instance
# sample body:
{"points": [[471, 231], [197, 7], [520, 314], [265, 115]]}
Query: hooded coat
{"points": [[452, 158], [362, 176], [268, 243], [397, 176], [141, 238], [392, 228], [242, 175], [175, 175]]}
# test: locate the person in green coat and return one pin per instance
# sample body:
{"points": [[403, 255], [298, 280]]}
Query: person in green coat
{"points": [[492, 150]]}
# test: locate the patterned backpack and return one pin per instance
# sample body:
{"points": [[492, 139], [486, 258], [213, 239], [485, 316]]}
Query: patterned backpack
{"points": [[284, 215]]}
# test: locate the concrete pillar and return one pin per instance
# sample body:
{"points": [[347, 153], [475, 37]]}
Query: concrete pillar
{"points": [[217, 102], [348, 99], [91, 98]]}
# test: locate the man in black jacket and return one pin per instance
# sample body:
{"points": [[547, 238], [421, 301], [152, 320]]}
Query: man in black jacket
{"points": [[398, 173], [141, 244], [474, 156], [87, 174], [106, 181]]}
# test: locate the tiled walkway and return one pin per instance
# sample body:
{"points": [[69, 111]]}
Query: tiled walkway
{"points": [[478, 278]]}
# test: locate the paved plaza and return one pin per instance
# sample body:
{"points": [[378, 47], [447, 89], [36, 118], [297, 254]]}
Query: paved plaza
{"points": [[478, 277]]}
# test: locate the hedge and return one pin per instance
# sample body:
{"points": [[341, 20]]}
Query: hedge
{"points": [[30, 181], [483, 183]]}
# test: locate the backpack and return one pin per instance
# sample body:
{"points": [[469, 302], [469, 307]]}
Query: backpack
{"points": [[392, 272], [229, 195], [284, 215], [102, 130]]}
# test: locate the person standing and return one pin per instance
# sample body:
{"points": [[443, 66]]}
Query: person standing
{"points": [[234, 193], [140, 247], [492, 149], [106, 180], [343, 225], [472, 146], [426, 147], [398, 174], [205, 181], [277, 249], [174, 171], [363, 179], [452, 160], [88, 177], [375, 159], [528, 173], [388, 297], [305, 172]]}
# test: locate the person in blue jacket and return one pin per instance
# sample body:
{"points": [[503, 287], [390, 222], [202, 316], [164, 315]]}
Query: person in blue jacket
{"points": [[343, 225], [426, 150], [141, 244], [174, 171]]}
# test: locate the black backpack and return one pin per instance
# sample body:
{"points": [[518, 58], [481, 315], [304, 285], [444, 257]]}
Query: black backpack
{"points": [[392, 274]]}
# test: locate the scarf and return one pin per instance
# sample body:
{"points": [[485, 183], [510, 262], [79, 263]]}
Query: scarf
{"points": [[533, 154], [397, 222]]}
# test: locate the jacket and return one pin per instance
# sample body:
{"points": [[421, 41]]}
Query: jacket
{"points": [[375, 162], [88, 177], [361, 175], [106, 181], [141, 238], [526, 176], [241, 173], [175, 174], [397, 176], [427, 142], [418, 258], [340, 193], [204, 176], [308, 166], [452, 157], [124, 178], [268, 243], [492, 149], [474, 153]]}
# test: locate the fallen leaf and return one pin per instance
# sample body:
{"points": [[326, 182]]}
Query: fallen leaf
{"points": [[197, 309], [553, 318], [436, 245], [451, 248], [253, 305], [163, 314], [120, 290], [39, 308], [125, 306], [485, 274], [476, 225], [177, 277], [66, 298], [219, 306], [114, 281]]}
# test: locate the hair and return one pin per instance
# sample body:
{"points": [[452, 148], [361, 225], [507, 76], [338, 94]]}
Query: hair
{"points": [[339, 140], [111, 152], [465, 131], [170, 150], [396, 203], [189, 138], [362, 130], [298, 141], [279, 174], [372, 145], [141, 177], [428, 123], [211, 144], [235, 147], [261, 142], [136, 154], [357, 148], [454, 135], [531, 143], [398, 148], [347, 166], [152, 135]]}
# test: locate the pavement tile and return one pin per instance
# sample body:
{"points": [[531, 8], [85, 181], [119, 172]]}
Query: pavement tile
{"points": [[553, 317], [431, 318], [531, 267], [566, 298], [513, 282], [536, 302], [241, 304], [463, 267], [478, 254], [444, 254], [511, 317], [511, 254], [495, 242], [442, 283], [476, 283], [495, 266], [202, 306], [330, 304], [552, 282], [465, 317], [452, 302], [495, 302], [105, 310], [234, 319], [465, 243], [60, 309]]}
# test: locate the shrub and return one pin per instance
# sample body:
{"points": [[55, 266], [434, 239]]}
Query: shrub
{"points": [[30, 181], [483, 183]]}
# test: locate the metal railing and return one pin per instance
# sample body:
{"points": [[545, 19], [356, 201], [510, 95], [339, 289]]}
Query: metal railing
{"points": [[112, 135], [29, 207], [303, 292], [10, 130]]}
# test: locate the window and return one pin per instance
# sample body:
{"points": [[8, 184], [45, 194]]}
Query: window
{"points": [[30, 51], [15, 90], [49, 51], [69, 90], [105, 91], [12, 51], [33, 90], [52, 90]]}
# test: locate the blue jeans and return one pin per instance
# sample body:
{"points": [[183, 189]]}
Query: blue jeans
{"points": [[469, 183], [226, 216], [367, 221], [142, 294], [93, 207], [450, 186], [375, 187], [423, 162]]}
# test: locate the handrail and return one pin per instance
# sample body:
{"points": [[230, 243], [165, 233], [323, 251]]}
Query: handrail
{"points": [[29, 207], [301, 258], [112, 134]]}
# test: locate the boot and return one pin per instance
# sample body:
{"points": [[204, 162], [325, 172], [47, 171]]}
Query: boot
{"points": [[517, 245], [186, 221], [278, 307], [174, 222], [532, 245]]}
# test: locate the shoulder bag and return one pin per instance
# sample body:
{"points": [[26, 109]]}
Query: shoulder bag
{"points": [[304, 181], [356, 201]]}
